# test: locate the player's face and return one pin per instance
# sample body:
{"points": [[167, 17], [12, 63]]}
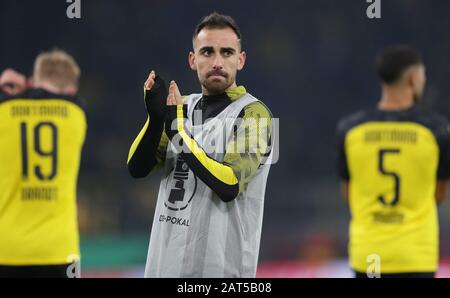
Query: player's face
{"points": [[217, 57], [419, 83]]}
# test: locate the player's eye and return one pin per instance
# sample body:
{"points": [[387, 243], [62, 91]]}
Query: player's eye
{"points": [[227, 53], [206, 52]]}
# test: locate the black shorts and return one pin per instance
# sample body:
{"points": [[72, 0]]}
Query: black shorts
{"points": [[399, 275], [46, 271]]}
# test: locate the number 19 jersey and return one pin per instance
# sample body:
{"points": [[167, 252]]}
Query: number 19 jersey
{"points": [[392, 161], [41, 139]]}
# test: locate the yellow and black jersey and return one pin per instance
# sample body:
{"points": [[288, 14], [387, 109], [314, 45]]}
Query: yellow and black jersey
{"points": [[392, 161], [41, 139]]}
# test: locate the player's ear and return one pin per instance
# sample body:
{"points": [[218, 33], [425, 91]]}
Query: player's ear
{"points": [[416, 78], [192, 61], [71, 90], [241, 61], [409, 77]]}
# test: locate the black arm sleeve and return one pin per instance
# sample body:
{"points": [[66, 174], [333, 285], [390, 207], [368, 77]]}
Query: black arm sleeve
{"points": [[143, 151], [143, 158]]}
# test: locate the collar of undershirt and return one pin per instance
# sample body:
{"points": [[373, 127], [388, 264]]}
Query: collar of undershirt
{"points": [[212, 105]]}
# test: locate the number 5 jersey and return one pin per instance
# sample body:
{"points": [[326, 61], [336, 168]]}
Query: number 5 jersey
{"points": [[392, 161]]}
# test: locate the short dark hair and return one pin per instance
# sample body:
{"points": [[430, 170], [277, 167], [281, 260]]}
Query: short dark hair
{"points": [[217, 21], [392, 61]]}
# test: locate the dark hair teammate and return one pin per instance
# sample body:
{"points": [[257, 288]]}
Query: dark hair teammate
{"points": [[208, 217], [394, 164]]}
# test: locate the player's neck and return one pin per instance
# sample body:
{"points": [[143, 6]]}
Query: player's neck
{"points": [[47, 87], [395, 99]]}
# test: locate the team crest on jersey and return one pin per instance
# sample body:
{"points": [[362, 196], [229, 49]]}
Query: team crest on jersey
{"points": [[181, 193]]}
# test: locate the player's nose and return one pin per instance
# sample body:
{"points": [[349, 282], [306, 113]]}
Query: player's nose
{"points": [[218, 62]]}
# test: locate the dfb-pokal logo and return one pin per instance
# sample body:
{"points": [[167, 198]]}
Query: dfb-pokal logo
{"points": [[183, 184]]}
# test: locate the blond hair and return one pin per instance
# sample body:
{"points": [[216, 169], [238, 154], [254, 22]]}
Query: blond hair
{"points": [[56, 67]]}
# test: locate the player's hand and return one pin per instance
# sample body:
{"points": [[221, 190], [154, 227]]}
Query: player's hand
{"points": [[155, 96], [12, 82], [150, 80], [174, 97]]}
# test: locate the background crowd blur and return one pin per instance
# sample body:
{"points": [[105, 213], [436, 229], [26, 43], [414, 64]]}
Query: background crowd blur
{"points": [[310, 61]]}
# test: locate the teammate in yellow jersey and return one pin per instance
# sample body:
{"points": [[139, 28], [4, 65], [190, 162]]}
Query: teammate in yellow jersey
{"points": [[394, 163], [42, 131]]}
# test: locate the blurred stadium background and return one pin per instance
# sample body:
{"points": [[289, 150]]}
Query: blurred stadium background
{"points": [[310, 61]]}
